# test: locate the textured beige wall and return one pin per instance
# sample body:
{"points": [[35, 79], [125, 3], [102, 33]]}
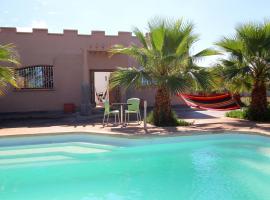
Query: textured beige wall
{"points": [[67, 80], [65, 52]]}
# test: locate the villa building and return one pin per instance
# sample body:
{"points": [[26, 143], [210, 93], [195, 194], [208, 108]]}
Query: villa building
{"points": [[58, 69]]}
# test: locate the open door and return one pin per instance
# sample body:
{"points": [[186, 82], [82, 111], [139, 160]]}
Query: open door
{"points": [[101, 87], [99, 81]]}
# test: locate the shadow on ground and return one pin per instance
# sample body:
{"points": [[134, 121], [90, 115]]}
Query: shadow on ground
{"points": [[213, 121]]}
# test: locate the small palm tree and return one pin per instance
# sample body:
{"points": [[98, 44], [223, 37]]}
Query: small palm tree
{"points": [[236, 85], [8, 59], [249, 58], [165, 63]]}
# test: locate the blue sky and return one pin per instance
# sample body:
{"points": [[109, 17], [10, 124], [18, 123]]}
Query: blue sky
{"points": [[212, 18]]}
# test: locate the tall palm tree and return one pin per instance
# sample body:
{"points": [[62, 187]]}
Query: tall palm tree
{"points": [[165, 62], [8, 59], [249, 57]]}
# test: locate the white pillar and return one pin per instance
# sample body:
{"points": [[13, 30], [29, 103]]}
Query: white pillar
{"points": [[85, 86]]}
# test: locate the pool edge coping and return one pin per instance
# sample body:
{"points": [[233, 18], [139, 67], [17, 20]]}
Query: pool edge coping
{"points": [[136, 136]]}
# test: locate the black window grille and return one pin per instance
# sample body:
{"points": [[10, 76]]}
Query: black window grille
{"points": [[35, 77]]}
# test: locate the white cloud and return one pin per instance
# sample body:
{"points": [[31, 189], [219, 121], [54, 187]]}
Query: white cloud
{"points": [[34, 24]]}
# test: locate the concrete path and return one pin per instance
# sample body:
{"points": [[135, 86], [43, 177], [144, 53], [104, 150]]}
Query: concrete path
{"points": [[203, 121]]}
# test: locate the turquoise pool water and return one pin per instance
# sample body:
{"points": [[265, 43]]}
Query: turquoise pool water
{"points": [[82, 167]]}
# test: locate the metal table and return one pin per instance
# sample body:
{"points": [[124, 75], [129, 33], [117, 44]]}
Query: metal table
{"points": [[121, 110]]}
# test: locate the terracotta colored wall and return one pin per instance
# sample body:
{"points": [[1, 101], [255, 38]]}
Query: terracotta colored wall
{"points": [[65, 52], [66, 89]]}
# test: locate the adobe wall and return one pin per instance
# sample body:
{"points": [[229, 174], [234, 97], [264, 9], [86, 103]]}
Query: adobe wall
{"points": [[65, 52]]}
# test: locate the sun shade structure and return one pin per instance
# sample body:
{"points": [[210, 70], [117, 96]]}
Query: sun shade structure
{"points": [[217, 102]]}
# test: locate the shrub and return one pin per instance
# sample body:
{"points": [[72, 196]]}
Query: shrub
{"points": [[174, 122], [247, 113], [240, 114]]}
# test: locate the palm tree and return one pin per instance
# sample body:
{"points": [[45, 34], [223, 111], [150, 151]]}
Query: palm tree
{"points": [[165, 63], [8, 58], [249, 56], [235, 85]]}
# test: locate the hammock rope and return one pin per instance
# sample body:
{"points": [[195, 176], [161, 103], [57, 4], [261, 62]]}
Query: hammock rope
{"points": [[213, 102]]}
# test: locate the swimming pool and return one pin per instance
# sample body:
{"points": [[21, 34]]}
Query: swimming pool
{"points": [[81, 166]]}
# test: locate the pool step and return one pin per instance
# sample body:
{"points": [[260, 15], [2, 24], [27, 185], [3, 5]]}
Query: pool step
{"points": [[27, 154]]}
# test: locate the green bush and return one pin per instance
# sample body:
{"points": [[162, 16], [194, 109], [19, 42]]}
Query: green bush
{"points": [[247, 113], [240, 114], [174, 122]]}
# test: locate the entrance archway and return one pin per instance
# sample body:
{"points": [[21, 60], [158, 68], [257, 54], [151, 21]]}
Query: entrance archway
{"points": [[99, 82]]}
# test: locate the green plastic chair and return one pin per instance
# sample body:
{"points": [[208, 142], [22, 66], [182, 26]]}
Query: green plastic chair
{"points": [[107, 112], [133, 108]]}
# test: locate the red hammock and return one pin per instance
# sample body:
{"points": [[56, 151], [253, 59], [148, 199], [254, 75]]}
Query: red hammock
{"points": [[214, 102]]}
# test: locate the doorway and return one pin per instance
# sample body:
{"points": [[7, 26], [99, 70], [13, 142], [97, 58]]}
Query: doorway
{"points": [[100, 91], [101, 87]]}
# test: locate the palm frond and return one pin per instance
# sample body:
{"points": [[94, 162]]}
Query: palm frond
{"points": [[9, 58], [175, 83], [140, 35], [157, 33], [164, 58], [233, 46], [139, 54], [201, 79], [129, 77], [8, 54], [207, 52], [7, 76]]}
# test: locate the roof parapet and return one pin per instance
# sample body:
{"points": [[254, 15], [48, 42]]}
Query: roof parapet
{"points": [[40, 30], [71, 32], [98, 33], [124, 34], [8, 29]]}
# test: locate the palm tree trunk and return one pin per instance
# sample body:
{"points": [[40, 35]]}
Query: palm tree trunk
{"points": [[237, 98], [162, 109], [258, 104]]}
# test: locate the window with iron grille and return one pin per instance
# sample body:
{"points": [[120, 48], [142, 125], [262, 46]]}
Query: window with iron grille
{"points": [[35, 77]]}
